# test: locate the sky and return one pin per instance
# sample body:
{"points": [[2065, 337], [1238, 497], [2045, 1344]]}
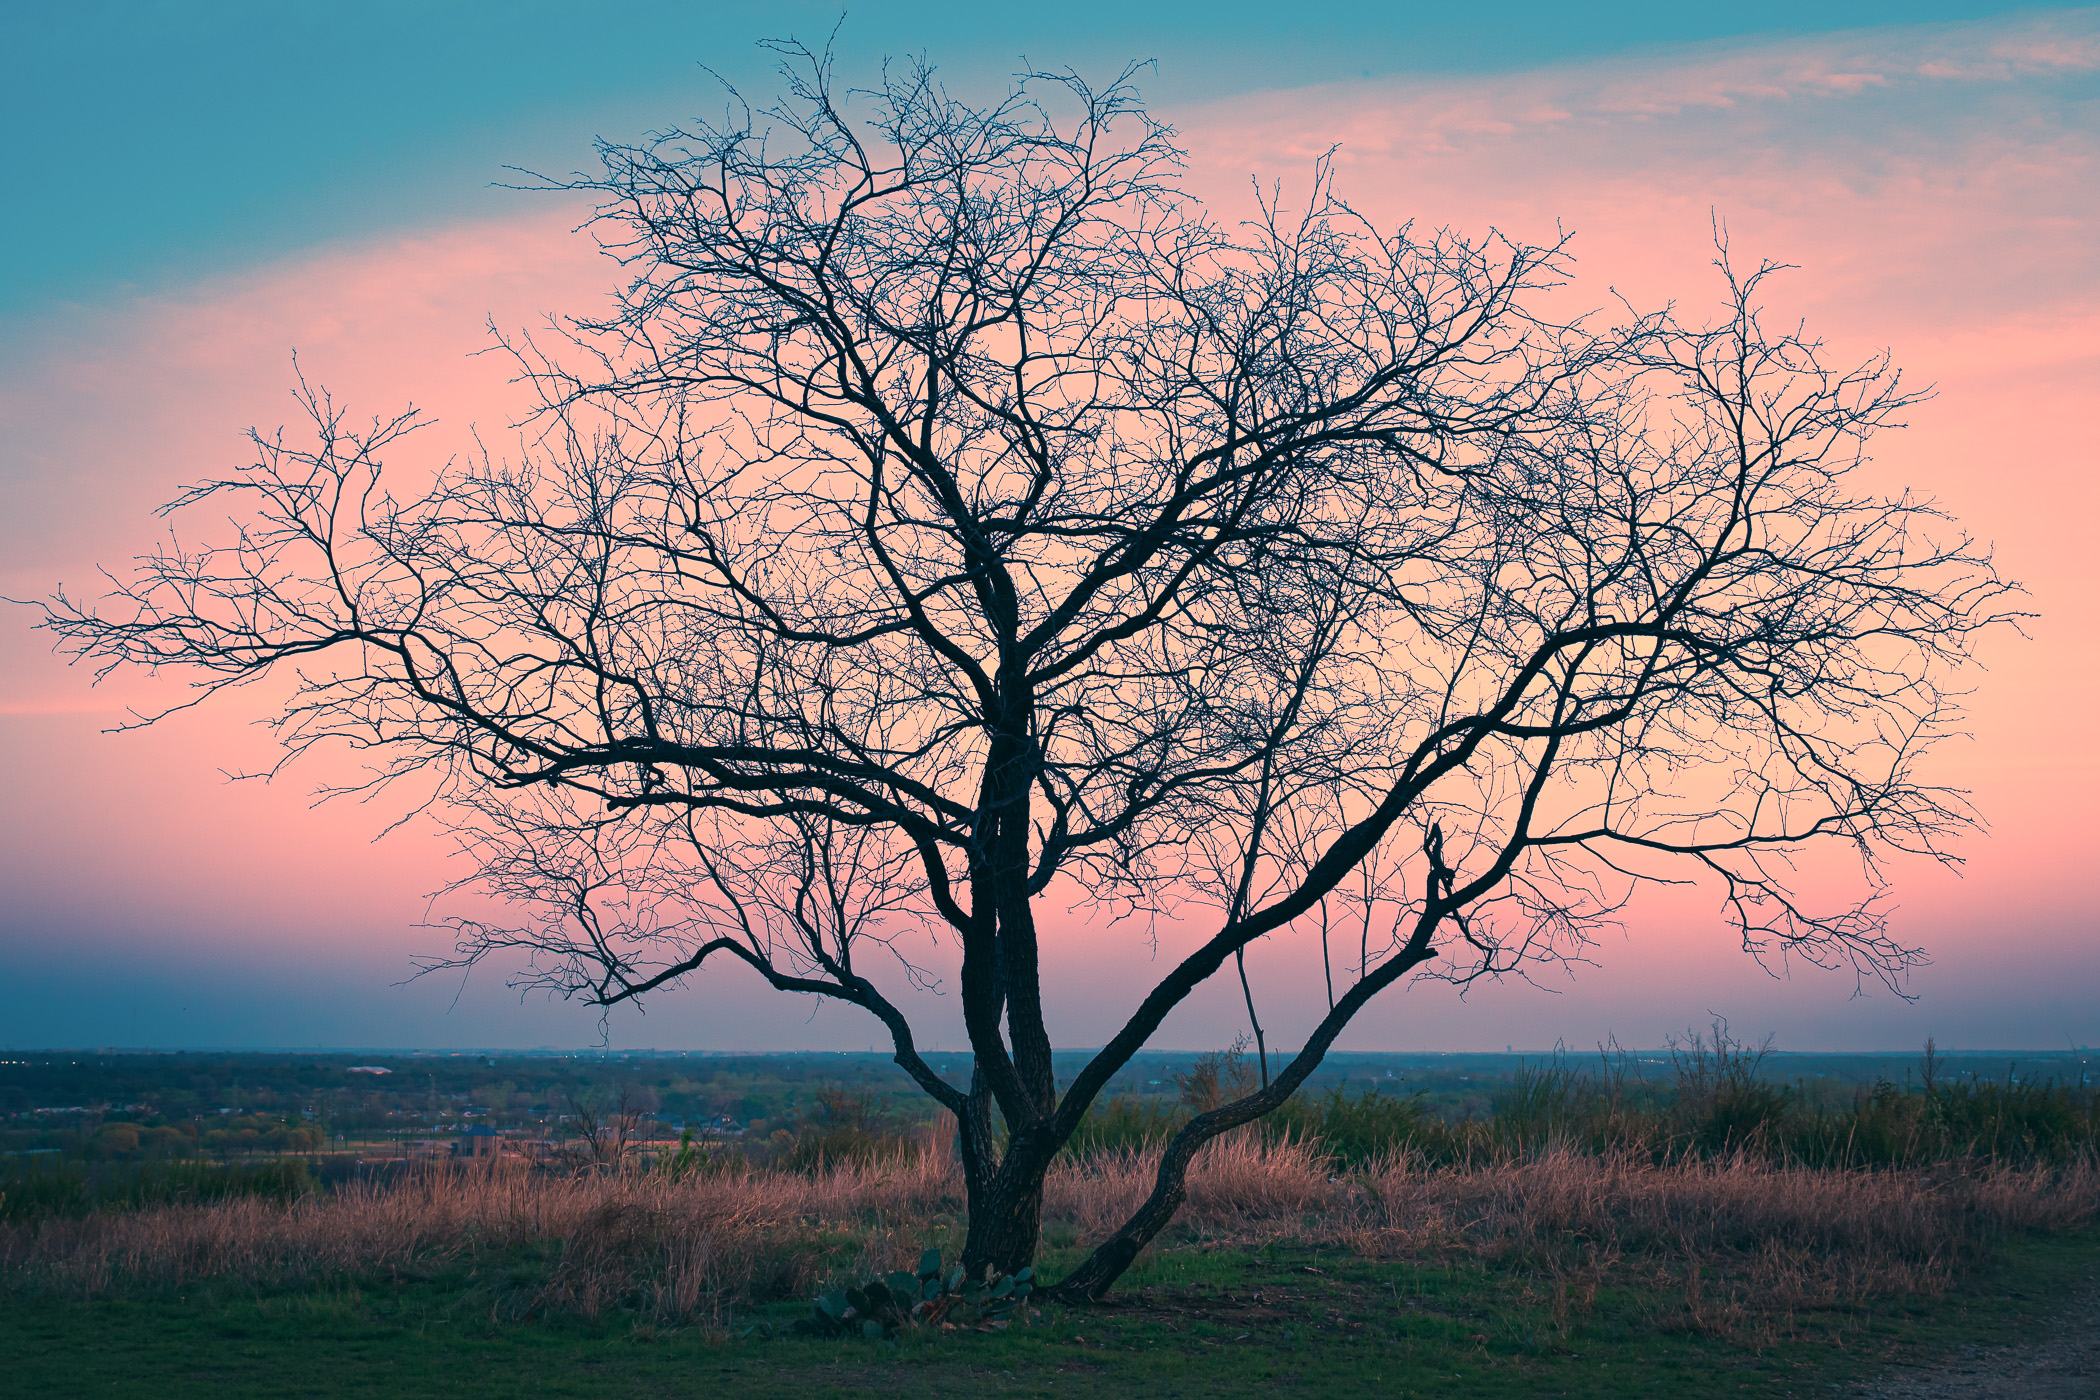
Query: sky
{"points": [[201, 191]]}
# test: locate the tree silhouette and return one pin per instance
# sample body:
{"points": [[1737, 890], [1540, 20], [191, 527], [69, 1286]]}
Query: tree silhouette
{"points": [[950, 515]]}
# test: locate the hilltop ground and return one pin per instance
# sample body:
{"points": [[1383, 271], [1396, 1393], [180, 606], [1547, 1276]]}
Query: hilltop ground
{"points": [[1714, 1230], [2062, 1363], [1310, 1335]]}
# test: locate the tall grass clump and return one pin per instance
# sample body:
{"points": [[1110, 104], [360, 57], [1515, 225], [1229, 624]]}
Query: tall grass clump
{"points": [[1718, 1101], [847, 1125], [1119, 1124], [36, 1188], [1887, 1125], [673, 1246], [1745, 1243], [1130, 1124], [1352, 1133]]}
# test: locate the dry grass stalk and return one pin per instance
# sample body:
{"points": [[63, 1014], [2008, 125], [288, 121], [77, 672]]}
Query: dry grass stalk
{"points": [[684, 1243], [1740, 1238]]}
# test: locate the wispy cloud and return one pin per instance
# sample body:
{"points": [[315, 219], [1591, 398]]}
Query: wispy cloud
{"points": [[1794, 84]]}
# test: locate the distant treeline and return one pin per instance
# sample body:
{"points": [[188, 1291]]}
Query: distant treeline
{"points": [[179, 1084], [1714, 1097], [1705, 1092], [1718, 1100]]}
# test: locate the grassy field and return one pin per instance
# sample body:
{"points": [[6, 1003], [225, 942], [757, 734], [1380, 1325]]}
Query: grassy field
{"points": [[1592, 1237], [1563, 1274], [1198, 1322]]}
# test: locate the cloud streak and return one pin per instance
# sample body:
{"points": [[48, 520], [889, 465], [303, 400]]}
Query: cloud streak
{"points": [[1771, 86]]}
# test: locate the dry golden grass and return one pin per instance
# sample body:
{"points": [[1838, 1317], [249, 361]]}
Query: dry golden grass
{"points": [[1740, 1238], [683, 1243], [1237, 1186]]}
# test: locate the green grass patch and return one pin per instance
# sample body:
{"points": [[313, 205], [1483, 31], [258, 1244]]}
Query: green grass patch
{"points": [[1194, 1322]]}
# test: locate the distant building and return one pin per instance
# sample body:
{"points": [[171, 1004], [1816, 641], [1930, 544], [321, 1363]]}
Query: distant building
{"points": [[479, 1143]]}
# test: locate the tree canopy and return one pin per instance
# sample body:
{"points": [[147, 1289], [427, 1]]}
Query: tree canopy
{"points": [[951, 514]]}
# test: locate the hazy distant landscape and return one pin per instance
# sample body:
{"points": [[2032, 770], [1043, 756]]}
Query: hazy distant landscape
{"points": [[81, 1103]]}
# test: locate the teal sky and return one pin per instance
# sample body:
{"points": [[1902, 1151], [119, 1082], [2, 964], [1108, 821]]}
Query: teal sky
{"points": [[156, 142]]}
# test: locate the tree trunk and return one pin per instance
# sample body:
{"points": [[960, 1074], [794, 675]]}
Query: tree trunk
{"points": [[1091, 1281], [1006, 1215]]}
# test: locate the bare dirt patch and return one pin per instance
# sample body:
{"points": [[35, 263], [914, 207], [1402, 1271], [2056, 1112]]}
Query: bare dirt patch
{"points": [[2064, 1365]]}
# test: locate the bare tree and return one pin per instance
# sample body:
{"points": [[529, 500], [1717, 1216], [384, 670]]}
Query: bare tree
{"points": [[606, 1127], [950, 516]]}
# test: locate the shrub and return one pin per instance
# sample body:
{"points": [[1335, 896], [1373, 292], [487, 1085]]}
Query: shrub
{"points": [[38, 1189], [1354, 1132], [1124, 1125], [844, 1125], [932, 1297]]}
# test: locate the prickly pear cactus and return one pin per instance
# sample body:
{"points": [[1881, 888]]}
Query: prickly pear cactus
{"points": [[933, 1297]]}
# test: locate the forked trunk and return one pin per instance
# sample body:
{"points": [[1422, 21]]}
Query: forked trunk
{"points": [[1006, 1219]]}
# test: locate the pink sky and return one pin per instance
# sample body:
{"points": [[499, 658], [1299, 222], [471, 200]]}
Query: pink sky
{"points": [[1938, 187]]}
